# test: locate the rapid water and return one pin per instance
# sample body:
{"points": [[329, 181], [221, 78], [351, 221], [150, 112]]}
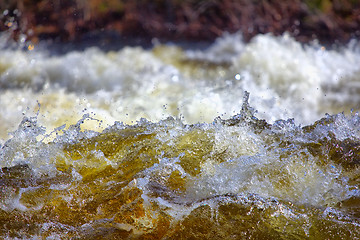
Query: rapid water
{"points": [[256, 140]]}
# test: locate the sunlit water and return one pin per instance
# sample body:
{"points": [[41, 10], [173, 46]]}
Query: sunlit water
{"points": [[256, 140]]}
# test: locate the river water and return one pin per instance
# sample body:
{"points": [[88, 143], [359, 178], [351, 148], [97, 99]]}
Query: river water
{"points": [[257, 140]]}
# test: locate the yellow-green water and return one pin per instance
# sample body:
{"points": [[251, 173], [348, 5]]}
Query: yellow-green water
{"points": [[166, 143]]}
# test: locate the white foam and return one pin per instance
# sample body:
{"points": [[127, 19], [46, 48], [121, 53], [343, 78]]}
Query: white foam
{"points": [[285, 79]]}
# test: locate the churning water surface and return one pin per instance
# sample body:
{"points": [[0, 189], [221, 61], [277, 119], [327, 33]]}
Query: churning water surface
{"points": [[257, 140]]}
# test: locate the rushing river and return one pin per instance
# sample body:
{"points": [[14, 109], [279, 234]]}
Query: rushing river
{"points": [[256, 140]]}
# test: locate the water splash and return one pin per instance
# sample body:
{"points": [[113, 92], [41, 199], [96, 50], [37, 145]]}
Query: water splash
{"points": [[205, 166]]}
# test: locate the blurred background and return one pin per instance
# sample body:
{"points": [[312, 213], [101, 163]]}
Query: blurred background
{"points": [[191, 20]]}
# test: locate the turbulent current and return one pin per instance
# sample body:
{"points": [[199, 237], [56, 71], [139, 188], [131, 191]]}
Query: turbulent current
{"points": [[257, 140]]}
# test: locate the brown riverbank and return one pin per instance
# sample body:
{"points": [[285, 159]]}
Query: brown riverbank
{"points": [[190, 20]]}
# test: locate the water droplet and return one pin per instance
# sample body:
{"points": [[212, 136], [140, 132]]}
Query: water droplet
{"points": [[22, 38], [31, 47], [175, 78]]}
